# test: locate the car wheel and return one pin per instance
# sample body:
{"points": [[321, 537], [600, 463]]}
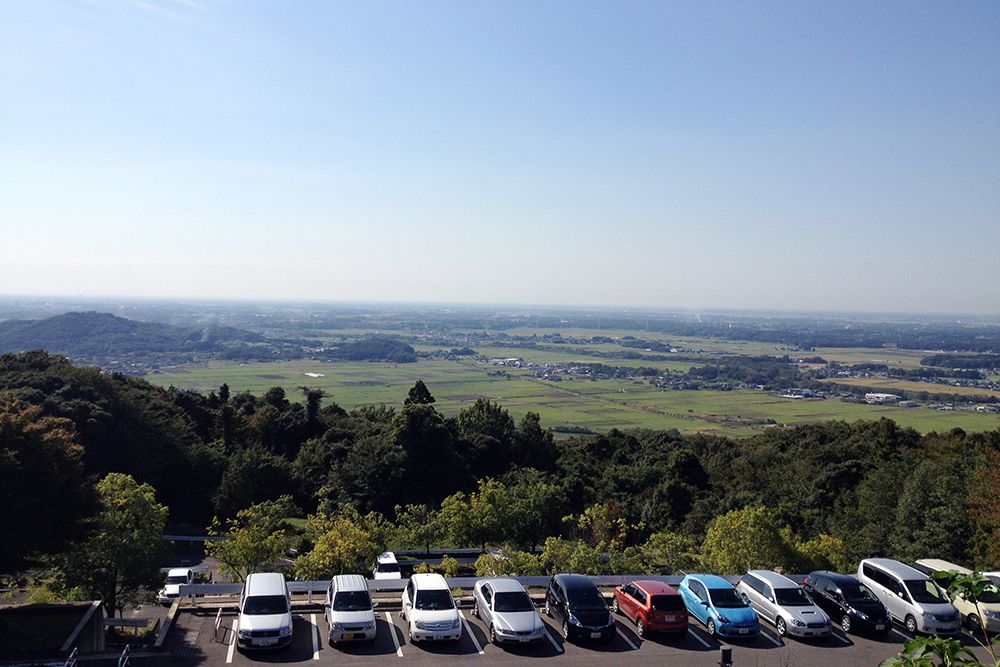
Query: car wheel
{"points": [[614, 606], [493, 634], [911, 624], [640, 629], [475, 610], [547, 611], [710, 627], [565, 630], [409, 634], [780, 626], [973, 622], [845, 623]]}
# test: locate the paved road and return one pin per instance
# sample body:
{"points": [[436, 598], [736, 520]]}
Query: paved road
{"points": [[192, 642]]}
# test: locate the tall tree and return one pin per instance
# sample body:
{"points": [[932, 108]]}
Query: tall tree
{"points": [[419, 394], [255, 537]]}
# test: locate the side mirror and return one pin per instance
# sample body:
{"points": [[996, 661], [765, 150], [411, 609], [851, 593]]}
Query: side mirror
{"points": [[374, 604], [899, 594], [408, 605], [704, 603]]}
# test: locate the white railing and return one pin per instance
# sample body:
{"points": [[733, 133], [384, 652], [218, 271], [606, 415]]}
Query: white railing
{"points": [[124, 659], [71, 660], [218, 623]]}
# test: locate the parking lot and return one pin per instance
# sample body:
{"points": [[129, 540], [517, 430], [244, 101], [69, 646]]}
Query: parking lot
{"points": [[193, 641]]}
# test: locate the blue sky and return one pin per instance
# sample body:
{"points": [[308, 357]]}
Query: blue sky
{"points": [[699, 155]]}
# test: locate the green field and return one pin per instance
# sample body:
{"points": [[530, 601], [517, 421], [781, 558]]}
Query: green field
{"points": [[891, 385], [597, 405]]}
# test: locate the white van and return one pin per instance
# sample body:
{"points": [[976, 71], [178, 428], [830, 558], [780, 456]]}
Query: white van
{"points": [[911, 597], [386, 566], [176, 577], [349, 610], [429, 610], [986, 613], [265, 619]]}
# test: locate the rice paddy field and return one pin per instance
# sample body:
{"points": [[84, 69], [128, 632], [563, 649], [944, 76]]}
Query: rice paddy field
{"points": [[595, 405]]}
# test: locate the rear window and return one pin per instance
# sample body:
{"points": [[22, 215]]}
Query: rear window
{"points": [[387, 567], [352, 601], [667, 603], [265, 605]]}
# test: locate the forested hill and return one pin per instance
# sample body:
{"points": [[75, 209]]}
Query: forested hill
{"points": [[132, 346]]}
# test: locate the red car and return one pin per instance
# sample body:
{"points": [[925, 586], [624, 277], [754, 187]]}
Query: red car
{"points": [[653, 606]]}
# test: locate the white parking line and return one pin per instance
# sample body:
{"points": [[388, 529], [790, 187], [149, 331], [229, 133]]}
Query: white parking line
{"points": [[902, 634], [392, 631], [471, 635], [772, 639], [555, 644], [843, 639], [315, 635], [627, 640], [232, 644], [698, 637]]}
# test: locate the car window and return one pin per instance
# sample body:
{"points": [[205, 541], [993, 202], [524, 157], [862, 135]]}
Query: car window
{"points": [[387, 567], [513, 602], [177, 579], [352, 601], [726, 598], [434, 599], [858, 593], [925, 591], [488, 594], [792, 597], [751, 582], [628, 590], [698, 589], [640, 596], [587, 597], [265, 605], [991, 594], [667, 603]]}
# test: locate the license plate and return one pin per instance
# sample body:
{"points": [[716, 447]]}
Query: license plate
{"points": [[357, 635], [525, 640], [744, 631], [266, 642], [880, 626], [595, 635], [669, 619]]}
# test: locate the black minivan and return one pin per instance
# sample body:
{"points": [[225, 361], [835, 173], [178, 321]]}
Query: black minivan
{"points": [[579, 608], [847, 600]]}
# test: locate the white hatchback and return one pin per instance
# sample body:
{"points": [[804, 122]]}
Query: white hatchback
{"points": [[349, 610]]}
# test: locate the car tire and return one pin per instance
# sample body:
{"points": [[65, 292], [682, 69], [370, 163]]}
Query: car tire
{"points": [[493, 634], [845, 623], [975, 625], [780, 627], [911, 624], [614, 606], [565, 630], [409, 634], [710, 627], [640, 628], [548, 612], [475, 610]]}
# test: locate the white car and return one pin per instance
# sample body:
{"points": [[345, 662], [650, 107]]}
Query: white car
{"points": [[429, 610], [176, 577], [386, 567], [509, 614], [265, 619], [349, 610], [781, 601], [988, 611], [911, 596]]}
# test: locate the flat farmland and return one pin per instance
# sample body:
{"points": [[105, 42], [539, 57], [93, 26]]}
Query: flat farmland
{"points": [[597, 405], [892, 384]]}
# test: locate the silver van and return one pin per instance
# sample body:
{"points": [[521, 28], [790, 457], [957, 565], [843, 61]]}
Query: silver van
{"points": [[781, 601], [911, 597]]}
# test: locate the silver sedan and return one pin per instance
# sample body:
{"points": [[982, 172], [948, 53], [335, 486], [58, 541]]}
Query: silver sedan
{"points": [[504, 606]]}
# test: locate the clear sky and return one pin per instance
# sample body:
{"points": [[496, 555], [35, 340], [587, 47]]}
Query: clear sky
{"points": [[792, 155]]}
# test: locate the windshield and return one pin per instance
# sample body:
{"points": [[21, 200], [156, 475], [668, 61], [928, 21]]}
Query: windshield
{"points": [[667, 603], [924, 590], [179, 579], [858, 593], [991, 595], [387, 567], [437, 599], [511, 602], [586, 598], [352, 601], [263, 605], [726, 598], [791, 597]]}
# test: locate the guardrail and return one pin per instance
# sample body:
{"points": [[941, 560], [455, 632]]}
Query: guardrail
{"points": [[218, 624]]}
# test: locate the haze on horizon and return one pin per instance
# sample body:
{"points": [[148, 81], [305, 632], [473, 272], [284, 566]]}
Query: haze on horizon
{"points": [[781, 156]]}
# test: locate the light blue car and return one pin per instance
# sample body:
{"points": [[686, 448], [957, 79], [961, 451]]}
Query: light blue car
{"points": [[713, 601]]}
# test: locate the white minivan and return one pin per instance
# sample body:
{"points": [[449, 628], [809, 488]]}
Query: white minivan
{"points": [[176, 577], [429, 610], [350, 612], [911, 597], [265, 619]]}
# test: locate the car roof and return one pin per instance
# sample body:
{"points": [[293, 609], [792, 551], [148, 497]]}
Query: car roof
{"points": [[711, 580], [653, 587], [836, 577], [773, 578], [429, 580], [574, 581], [349, 582], [938, 565], [386, 557], [895, 567], [266, 583], [505, 585], [179, 572]]}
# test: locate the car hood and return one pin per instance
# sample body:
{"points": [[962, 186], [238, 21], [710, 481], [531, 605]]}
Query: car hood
{"points": [[738, 614], [170, 589], [265, 621], [518, 621], [808, 614], [873, 610], [942, 609], [592, 617], [352, 617], [433, 615]]}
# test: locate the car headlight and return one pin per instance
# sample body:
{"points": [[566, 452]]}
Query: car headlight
{"points": [[992, 614], [337, 626], [723, 619], [928, 616], [611, 619], [369, 625], [574, 620], [243, 633], [285, 631], [455, 624], [797, 623], [419, 625]]}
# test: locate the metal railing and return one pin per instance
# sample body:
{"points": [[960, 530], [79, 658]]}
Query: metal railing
{"points": [[125, 658], [71, 660]]}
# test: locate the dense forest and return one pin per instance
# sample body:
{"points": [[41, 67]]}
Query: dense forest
{"points": [[837, 491]]}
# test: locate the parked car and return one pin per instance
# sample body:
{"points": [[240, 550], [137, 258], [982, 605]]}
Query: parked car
{"points": [[509, 614], [429, 610], [911, 596], [349, 610], [781, 601], [715, 602], [986, 614], [574, 602], [176, 577], [652, 605], [386, 566], [848, 601], [265, 619]]}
